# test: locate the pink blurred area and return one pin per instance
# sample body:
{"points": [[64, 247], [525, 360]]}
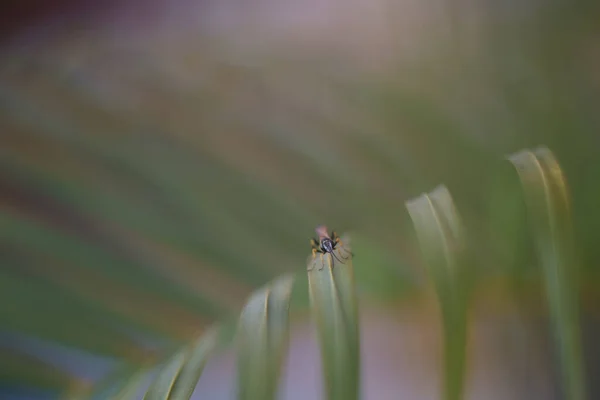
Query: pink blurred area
{"points": [[373, 31]]}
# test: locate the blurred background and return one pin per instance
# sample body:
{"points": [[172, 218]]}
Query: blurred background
{"points": [[160, 160]]}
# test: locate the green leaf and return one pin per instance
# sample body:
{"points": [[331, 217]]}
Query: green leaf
{"points": [[179, 377], [196, 357], [334, 308], [263, 338], [442, 241], [162, 384], [547, 199], [131, 387]]}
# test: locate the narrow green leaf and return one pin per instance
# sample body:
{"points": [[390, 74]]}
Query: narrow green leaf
{"points": [[263, 338], [547, 199], [196, 359], [175, 381], [162, 385], [131, 387], [442, 241], [334, 308]]}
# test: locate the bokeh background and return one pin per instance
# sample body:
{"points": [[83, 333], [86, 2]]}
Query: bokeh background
{"points": [[160, 160]]}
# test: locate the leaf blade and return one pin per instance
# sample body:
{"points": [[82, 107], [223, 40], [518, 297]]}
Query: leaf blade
{"points": [[441, 237], [546, 195], [196, 358], [334, 307], [263, 337], [162, 384]]}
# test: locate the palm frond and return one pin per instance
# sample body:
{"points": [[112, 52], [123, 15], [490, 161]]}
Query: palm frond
{"points": [[443, 242], [334, 307], [263, 336], [546, 194]]}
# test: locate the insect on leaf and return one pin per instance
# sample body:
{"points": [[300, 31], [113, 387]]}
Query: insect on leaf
{"points": [[335, 311]]}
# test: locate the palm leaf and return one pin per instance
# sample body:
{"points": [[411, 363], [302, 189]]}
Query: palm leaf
{"points": [[334, 307], [442, 240], [162, 385], [263, 326], [131, 386], [191, 223], [263, 336], [546, 196], [180, 374], [196, 357]]}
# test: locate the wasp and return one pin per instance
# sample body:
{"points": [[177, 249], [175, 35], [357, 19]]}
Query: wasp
{"points": [[327, 244]]}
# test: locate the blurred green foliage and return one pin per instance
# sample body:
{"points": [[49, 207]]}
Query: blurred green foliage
{"points": [[263, 331], [146, 189]]}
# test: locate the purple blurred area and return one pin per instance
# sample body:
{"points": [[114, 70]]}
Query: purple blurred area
{"points": [[17, 17], [23, 19]]}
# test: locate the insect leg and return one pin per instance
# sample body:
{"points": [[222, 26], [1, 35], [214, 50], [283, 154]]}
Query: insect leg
{"points": [[315, 249], [336, 241], [314, 243], [312, 265]]}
